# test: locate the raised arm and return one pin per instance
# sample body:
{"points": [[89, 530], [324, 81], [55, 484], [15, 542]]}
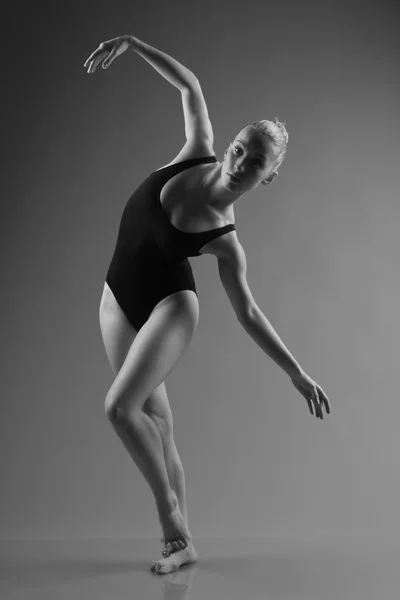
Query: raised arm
{"points": [[168, 67], [173, 71], [198, 128]]}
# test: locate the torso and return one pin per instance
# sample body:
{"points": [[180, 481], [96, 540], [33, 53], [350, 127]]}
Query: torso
{"points": [[182, 199]]}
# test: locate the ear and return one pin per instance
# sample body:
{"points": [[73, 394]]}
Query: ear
{"points": [[271, 178]]}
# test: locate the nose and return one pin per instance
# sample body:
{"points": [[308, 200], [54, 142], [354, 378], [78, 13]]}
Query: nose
{"points": [[238, 169]]}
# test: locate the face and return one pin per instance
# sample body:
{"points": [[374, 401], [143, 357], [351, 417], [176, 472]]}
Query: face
{"points": [[250, 158]]}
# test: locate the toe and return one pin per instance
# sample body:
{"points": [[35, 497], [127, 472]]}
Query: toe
{"points": [[166, 550], [162, 569]]}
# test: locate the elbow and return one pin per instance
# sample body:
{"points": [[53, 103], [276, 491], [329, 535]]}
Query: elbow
{"points": [[247, 313], [191, 82]]}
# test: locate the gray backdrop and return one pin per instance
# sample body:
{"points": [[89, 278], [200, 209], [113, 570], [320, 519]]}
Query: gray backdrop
{"points": [[322, 245]]}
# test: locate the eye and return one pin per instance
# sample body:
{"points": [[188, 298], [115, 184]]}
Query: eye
{"points": [[255, 162]]}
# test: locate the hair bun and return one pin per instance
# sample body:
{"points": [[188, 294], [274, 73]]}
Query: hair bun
{"points": [[282, 128]]}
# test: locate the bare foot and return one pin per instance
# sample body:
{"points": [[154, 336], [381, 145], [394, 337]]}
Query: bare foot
{"points": [[176, 534], [175, 560], [173, 545]]}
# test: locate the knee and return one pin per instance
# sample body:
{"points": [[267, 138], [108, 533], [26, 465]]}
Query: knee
{"points": [[115, 410], [111, 410]]}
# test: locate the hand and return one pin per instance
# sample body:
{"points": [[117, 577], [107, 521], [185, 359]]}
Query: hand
{"points": [[313, 393], [107, 52]]}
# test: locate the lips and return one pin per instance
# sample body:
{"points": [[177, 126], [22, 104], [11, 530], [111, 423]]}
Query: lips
{"points": [[235, 179]]}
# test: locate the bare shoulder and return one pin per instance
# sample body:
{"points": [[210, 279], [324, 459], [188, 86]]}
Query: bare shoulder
{"points": [[226, 247], [190, 150]]}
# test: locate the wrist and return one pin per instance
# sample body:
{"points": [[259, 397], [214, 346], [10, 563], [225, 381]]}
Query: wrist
{"points": [[295, 372], [133, 42]]}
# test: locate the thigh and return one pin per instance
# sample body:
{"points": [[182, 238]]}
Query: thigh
{"points": [[158, 346], [117, 332], [118, 335]]}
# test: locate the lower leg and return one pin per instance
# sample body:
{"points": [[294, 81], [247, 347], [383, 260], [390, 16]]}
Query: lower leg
{"points": [[176, 476], [142, 439]]}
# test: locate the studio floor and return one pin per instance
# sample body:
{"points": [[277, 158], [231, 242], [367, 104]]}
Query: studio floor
{"points": [[365, 568]]}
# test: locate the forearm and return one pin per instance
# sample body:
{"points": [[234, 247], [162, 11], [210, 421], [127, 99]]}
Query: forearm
{"points": [[168, 67], [261, 331]]}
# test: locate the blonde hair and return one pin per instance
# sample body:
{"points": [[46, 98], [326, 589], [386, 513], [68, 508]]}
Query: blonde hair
{"points": [[277, 133]]}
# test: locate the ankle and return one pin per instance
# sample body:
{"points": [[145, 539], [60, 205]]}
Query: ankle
{"points": [[182, 508], [167, 506]]}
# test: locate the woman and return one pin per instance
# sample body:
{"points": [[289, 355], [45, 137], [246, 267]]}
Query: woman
{"points": [[149, 308]]}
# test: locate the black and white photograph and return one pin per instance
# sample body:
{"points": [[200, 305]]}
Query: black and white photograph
{"points": [[201, 285]]}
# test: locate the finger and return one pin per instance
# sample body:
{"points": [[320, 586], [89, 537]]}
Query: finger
{"points": [[314, 404], [324, 398], [88, 60], [99, 58], [326, 402], [91, 67], [92, 57], [321, 414], [108, 60], [318, 404], [316, 410], [95, 61], [310, 405]]}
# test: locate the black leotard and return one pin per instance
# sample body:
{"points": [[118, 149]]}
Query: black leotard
{"points": [[150, 257]]}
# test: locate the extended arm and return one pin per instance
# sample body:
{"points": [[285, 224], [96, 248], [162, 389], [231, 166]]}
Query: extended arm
{"points": [[173, 71], [260, 329], [198, 128], [232, 266]]}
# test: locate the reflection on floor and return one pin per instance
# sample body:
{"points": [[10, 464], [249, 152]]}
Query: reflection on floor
{"points": [[247, 569]]}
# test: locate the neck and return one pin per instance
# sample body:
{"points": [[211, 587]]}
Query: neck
{"points": [[216, 192]]}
